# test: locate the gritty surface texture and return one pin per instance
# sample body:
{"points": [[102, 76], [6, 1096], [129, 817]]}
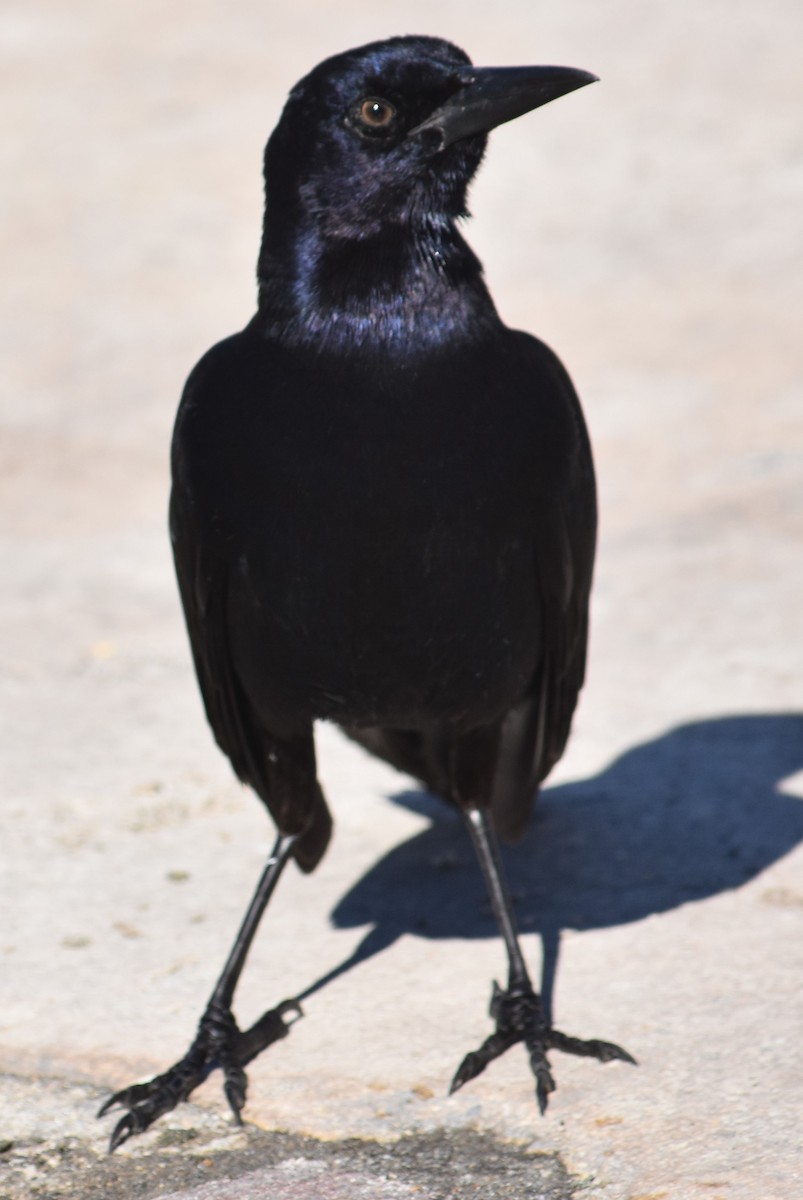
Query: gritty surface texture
{"points": [[648, 228], [198, 1156]]}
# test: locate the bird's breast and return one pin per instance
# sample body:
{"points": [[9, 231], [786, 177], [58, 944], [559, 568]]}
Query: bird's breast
{"points": [[381, 585], [378, 533]]}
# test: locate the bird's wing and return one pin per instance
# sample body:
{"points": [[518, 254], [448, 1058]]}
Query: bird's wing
{"points": [[533, 735], [278, 765], [203, 584], [200, 453]]}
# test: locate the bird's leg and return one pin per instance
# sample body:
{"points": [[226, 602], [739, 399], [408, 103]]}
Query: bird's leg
{"points": [[517, 1011], [218, 1042]]}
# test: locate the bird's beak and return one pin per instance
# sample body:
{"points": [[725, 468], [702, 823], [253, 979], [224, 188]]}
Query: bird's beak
{"points": [[492, 95]]}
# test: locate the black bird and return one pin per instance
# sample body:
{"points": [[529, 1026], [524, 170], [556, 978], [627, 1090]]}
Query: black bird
{"points": [[383, 510]]}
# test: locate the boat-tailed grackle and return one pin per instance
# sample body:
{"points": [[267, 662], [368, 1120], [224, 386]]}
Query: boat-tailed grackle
{"points": [[383, 510]]}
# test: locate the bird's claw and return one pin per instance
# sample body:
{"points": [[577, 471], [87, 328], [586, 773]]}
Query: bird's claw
{"points": [[218, 1043], [519, 1017], [592, 1048], [125, 1128]]}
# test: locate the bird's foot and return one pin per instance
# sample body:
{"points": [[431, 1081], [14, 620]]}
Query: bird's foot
{"points": [[218, 1043], [519, 1017]]}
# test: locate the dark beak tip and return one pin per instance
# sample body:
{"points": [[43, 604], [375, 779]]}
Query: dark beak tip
{"points": [[575, 78], [491, 96]]}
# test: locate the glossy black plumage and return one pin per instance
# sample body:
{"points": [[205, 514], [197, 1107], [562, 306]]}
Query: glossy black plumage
{"points": [[383, 509]]}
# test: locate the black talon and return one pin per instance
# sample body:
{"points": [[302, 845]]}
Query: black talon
{"points": [[519, 1017], [148, 1101], [518, 1012], [123, 1130], [235, 1087], [593, 1048], [218, 1044]]}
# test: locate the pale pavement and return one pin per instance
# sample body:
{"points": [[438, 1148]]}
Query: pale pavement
{"points": [[649, 228]]}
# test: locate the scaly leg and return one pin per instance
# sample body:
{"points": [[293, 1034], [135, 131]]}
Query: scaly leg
{"points": [[218, 1042], [518, 1012]]}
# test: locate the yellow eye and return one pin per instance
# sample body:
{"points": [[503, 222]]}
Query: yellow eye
{"points": [[376, 113]]}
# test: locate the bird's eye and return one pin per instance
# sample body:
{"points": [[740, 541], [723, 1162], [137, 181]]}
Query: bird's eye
{"points": [[376, 113]]}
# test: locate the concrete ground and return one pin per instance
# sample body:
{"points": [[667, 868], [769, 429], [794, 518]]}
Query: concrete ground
{"points": [[649, 228]]}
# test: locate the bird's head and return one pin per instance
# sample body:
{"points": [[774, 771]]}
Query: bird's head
{"points": [[391, 134]]}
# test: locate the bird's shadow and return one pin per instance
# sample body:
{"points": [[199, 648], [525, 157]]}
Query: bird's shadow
{"points": [[690, 814]]}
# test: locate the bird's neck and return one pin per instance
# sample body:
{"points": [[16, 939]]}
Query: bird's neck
{"points": [[398, 289]]}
